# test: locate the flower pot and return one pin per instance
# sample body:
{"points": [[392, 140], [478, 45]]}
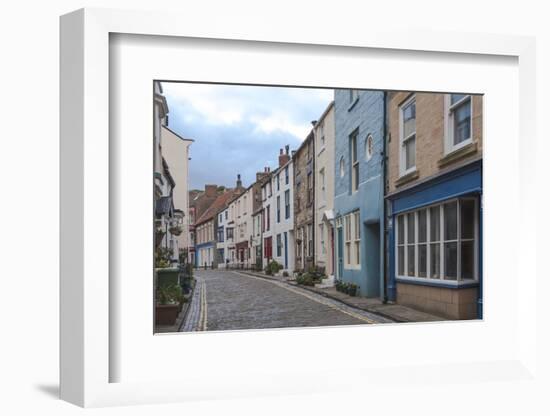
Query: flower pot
{"points": [[166, 314]]}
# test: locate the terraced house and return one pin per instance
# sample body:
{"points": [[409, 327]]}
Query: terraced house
{"points": [[282, 211], [304, 208], [206, 229], [358, 188], [324, 192], [435, 202]]}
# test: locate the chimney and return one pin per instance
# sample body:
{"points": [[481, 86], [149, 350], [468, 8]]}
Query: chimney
{"points": [[239, 182], [287, 147], [210, 190], [283, 157], [313, 123]]}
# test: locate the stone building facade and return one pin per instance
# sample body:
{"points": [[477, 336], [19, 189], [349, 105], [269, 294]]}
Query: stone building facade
{"points": [[304, 207], [435, 202]]}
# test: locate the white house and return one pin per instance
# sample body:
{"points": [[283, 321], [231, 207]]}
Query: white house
{"points": [[282, 211], [225, 238], [175, 150], [267, 220], [324, 191], [165, 220]]}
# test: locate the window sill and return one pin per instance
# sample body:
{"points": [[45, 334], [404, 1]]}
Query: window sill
{"points": [[408, 177], [450, 284], [455, 155], [352, 267]]}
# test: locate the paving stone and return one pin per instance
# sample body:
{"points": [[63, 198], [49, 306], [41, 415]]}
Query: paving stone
{"points": [[240, 301]]}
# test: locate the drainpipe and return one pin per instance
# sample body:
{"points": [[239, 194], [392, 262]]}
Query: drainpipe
{"points": [[313, 225], [385, 269]]}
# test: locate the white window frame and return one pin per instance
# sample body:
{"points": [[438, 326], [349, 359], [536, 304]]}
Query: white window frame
{"points": [[369, 152], [322, 237], [402, 140], [449, 123], [347, 241], [322, 181], [441, 279], [354, 161], [342, 167], [352, 240], [357, 238]]}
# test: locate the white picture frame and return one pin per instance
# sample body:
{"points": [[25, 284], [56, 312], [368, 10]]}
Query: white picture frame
{"points": [[86, 352]]}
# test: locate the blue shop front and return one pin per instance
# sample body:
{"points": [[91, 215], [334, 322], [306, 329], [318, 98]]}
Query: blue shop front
{"points": [[435, 244]]}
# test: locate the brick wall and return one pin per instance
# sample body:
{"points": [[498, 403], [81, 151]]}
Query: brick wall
{"points": [[445, 302], [430, 133]]}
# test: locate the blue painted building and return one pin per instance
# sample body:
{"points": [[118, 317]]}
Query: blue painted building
{"points": [[359, 189]]}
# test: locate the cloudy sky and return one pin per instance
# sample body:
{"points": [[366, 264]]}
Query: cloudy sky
{"points": [[240, 129]]}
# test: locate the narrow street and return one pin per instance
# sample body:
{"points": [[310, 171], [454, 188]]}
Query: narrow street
{"points": [[231, 300]]}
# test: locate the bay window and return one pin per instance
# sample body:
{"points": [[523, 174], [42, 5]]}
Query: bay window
{"points": [[438, 242]]}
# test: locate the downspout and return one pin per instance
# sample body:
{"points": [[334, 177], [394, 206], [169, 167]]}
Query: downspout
{"points": [[384, 210], [313, 227]]}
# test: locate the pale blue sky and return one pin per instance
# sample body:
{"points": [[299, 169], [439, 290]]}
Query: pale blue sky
{"points": [[240, 129]]}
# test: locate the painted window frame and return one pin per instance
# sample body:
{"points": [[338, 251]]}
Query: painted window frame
{"points": [[354, 161], [440, 280], [450, 109], [279, 243], [369, 147], [352, 240], [342, 167], [287, 204], [403, 170], [309, 229], [322, 182], [278, 209], [322, 237]]}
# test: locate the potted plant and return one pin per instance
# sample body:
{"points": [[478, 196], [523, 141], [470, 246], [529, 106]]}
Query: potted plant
{"points": [[176, 230], [169, 301], [352, 289]]}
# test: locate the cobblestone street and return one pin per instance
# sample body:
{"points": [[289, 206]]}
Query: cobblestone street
{"points": [[228, 300]]}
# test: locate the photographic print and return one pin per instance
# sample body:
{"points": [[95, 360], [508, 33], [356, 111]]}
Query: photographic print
{"points": [[290, 207]]}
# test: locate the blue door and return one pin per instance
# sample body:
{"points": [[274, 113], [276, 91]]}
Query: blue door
{"points": [[340, 253], [286, 251]]}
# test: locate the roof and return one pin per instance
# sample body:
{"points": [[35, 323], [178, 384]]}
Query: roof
{"points": [[163, 206], [177, 135], [331, 104], [218, 205]]}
